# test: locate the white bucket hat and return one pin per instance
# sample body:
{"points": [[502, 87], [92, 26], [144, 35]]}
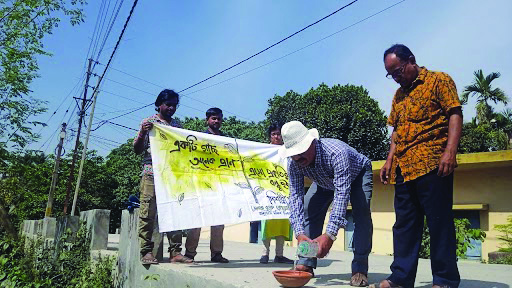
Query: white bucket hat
{"points": [[297, 138]]}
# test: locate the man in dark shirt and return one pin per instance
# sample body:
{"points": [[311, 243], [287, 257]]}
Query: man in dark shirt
{"points": [[214, 122]]}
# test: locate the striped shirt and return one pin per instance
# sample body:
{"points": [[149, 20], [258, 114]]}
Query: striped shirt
{"points": [[335, 166]]}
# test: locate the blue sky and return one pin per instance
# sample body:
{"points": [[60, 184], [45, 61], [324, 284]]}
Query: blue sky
{"points": [[175, 44]]}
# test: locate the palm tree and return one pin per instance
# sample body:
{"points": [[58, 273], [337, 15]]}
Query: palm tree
{"points": [[503, 122], [482, 89]]}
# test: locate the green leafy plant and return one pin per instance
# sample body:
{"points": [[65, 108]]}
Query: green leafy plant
{"points": [[463, 235], [506, 237], [38, 263]]}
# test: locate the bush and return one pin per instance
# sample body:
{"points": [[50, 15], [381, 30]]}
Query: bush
{"points": [[502, 260], [34, 263], [463, 235], [506, 230]]}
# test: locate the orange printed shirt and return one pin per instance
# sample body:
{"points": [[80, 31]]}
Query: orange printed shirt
{"points": [[419, 116]]}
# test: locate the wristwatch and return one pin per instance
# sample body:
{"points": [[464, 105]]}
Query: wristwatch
{"points": [[333, 238]]}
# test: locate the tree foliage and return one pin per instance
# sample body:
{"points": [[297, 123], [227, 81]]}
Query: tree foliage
{"points": [[483, 90], [506, 235], [25, 183], [481, 138], [232, 127], [346, 113], [23, 26]]}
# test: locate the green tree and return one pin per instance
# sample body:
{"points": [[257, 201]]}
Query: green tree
{"points": [[124, 167], [503, 122], [483, 90], [231, 126], [481, 138], [26, 180], [346, 113], [23, 26]]}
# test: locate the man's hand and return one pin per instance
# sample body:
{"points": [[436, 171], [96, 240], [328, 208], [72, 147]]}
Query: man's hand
{"points": [[448, 163], [385, 171], [302, 238], [146, 126], [324, 245]]}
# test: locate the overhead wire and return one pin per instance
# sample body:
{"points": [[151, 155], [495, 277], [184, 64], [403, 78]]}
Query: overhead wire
{"points": [[300, 49], [240, 62], [269, 47], [256, 68], [113, 19]]}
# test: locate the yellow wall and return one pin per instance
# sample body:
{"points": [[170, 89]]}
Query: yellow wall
{"points": [[482, 178]]}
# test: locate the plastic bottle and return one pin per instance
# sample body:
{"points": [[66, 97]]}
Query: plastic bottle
{"points": [[307, 249]]}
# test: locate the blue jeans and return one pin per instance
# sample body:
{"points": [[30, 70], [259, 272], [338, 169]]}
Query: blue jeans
{"points": [[315, 209]]}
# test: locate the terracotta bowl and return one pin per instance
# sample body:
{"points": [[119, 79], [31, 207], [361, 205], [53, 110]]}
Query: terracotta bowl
{"points": [[291, 278]]}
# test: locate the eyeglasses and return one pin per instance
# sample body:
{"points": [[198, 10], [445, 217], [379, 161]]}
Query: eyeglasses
{"points": [[397, 72]]}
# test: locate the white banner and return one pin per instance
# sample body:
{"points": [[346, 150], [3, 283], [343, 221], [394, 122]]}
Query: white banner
{"points": [[204, 180]]}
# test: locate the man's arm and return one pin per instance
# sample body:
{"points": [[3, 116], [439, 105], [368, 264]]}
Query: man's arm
{"points": [[296, 199], [339, 204], [341, 183], [138, 142], [386, 169], [448, 161]]}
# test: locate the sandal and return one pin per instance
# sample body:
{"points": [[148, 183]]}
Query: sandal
{"points": [[148, 259], [359, 279], [304, 268], [389, 285], [179, 258]]}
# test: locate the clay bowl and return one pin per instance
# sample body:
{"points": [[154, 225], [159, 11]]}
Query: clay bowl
{"points": [[291, 278]]}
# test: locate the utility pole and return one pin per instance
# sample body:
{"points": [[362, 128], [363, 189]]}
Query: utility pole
{"points": [[84, 151], [77, 143], [55, 175]]}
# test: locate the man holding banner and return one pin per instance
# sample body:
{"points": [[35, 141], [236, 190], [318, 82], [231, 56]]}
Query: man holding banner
{"points": [[166, 104], [214, 119], [340, 174]]}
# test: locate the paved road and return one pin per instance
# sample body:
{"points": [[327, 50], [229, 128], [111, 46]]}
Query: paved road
{"points": [[244, 269]]}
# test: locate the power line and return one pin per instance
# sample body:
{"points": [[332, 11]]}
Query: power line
{"points": [[149, 93], [117, 43], [112, 123], [300, 49], [261, 66], [240, 62], [269, 47], [105, 139], [277, 59], [112, 20], [185, 95]]}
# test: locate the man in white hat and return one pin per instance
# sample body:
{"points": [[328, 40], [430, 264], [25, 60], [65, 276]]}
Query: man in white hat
{"points": [[341, 174]]}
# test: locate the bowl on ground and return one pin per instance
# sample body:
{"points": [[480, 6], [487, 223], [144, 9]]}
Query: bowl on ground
{"points": [[292, 278]]}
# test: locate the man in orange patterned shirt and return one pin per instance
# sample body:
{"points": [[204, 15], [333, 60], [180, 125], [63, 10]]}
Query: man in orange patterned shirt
{"points": [[426, 117]]}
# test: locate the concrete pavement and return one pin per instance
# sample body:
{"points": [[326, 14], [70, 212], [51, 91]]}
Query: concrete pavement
{"points": [[244, 269]]}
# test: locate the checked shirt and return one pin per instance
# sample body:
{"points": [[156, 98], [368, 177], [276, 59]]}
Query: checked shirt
{"points": [[335, 166]]}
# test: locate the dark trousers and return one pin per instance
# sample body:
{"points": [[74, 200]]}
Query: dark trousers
{"points": [[255, 227], [431, 196], [316, 205]]}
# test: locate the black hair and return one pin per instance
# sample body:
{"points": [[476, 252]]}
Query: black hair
{"points": [[273, 127], [400, 50], [213, 111], [165, 95]]}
